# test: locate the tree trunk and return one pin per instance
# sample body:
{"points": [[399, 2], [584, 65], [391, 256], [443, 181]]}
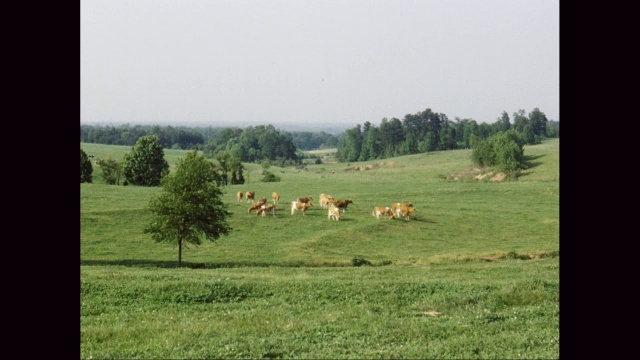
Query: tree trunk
{"points": [[180, 252]]}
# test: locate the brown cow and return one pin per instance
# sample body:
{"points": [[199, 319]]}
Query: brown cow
{"points": [[384, 211], [239, 196], [395, 207], [300, 206], [341, 204], [275, 197], [324, 200], [257, 205], [406, 211], [266, 208], [250, 195], [305, 199]]}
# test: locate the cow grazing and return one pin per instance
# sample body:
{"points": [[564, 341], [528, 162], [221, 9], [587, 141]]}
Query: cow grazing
{"points": [[305, 199], [257, 205], [300, 206], [254, 207], [250, 195], [275, 197], [406, 211], [384, 211], [333, 213], [265, 209], [395, 207], [341, 204], [239, 196], [325, 200]]}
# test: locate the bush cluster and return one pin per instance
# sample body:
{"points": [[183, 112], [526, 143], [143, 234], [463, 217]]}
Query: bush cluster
{"points": [[270, 177], [503, 150], [86, 169]]}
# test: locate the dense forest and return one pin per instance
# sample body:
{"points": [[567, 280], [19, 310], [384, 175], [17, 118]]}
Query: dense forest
{"points": [[416, 133], [429, 131]]}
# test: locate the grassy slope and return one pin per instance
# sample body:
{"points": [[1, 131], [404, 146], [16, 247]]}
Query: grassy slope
{"points": [[453, 219], [456, 225]]}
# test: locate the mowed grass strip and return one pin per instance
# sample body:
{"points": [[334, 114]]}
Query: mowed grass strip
{"points": [[473, 274]]}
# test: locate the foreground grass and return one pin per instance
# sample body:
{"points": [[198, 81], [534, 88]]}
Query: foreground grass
{"points": [[504, 309], [475, 274]]}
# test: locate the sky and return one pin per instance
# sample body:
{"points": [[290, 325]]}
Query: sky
{"points": [[346, 62]]}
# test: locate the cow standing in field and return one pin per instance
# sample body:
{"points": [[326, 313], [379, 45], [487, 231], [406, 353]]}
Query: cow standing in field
{"points": [[250, 195], [384, 211], [265, 209], [325, 200], [406, 211], [300, 206], [341, 204], [333, 213], [275, 197], [305, 199], [239, 196], [395, 207]]}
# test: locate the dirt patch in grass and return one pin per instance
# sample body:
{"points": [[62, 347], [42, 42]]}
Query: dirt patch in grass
{"points": [[477, 174], [371, 166]]}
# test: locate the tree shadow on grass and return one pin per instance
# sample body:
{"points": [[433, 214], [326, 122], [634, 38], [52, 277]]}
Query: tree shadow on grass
{"points": [[529, 161], [197, 265], [418, 219]]}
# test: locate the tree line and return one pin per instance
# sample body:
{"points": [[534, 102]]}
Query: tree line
{"points": [[145, 165], [421, 132], [251, 144], [430, 131], [170, 137]]}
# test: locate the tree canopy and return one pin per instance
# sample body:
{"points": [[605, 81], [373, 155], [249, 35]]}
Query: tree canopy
{"points": [[145, 164], [86, 169], [190, 208], [427, 131], [503, 150]]}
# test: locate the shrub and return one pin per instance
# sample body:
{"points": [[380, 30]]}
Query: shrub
{"points": [[111, 170], [360, 261], [503, 150], [86, 169], [270, 177]]}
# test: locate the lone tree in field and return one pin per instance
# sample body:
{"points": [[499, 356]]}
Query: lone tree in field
{"points": [[86, 169], [145, 164], [190, 208]]}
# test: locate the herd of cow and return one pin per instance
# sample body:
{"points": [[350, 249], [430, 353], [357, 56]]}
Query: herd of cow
{"points": [[333, 206]]}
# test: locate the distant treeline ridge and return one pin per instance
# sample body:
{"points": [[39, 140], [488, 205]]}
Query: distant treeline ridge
{"points": [[249, 144], [417, 133]]}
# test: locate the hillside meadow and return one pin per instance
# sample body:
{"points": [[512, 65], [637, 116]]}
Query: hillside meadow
{"points": [[473, 274]]}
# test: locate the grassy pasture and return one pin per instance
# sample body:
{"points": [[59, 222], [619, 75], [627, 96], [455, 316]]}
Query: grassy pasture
{"points": [[473, 274]]}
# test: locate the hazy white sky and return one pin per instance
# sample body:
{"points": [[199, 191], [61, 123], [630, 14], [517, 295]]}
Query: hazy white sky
{"points": [[316, 61]]}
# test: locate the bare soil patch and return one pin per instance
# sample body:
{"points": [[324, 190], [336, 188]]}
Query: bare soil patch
{"points": [[477, 174], [370, 166]]}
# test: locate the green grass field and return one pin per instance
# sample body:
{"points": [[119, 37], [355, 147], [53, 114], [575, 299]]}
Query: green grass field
{"points": [[473, 274]]}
